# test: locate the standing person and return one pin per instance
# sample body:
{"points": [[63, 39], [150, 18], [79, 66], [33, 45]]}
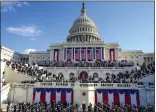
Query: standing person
{"points": [[15, 108], [8, 106], [83, 106]]}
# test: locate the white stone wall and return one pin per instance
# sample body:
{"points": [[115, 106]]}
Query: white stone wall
{"points": [[134, 56], [149, 58], [10, 55], [5, 93], [38, 56], [23, 93], [3, 64], [101, 71]]}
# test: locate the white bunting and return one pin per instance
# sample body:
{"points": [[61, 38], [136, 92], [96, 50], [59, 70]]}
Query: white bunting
{"points": [[37, 97], [48, 94]]}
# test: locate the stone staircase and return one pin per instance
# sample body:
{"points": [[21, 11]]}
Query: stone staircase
{"points": [[12, 76]]}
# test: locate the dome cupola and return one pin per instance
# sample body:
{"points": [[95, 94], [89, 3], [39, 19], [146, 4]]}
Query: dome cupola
{"points": [[83, 29]]}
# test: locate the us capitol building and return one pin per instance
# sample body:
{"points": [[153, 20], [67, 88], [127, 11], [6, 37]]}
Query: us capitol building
{"points": [[83, 44]]}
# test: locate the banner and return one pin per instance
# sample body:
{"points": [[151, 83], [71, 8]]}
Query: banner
{"points": [[112, 54], [52, 94], [118, 96]]}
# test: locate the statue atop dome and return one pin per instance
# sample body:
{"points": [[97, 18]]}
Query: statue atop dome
{"points": [[83, 10], [83, 29]]}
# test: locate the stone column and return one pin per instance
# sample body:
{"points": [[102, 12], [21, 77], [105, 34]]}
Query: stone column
{"points": [[80, 54], [86, 54], [95, 53], [101, 53], [104, 53], [92, 54], [66, 54], [63, 54]]}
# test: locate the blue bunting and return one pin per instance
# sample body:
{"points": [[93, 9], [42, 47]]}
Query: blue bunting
{"points": [[44, 90], [117, 91]]}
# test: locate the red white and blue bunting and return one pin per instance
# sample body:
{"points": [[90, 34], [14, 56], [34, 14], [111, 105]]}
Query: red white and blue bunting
{"points": [[122, 96], [52, 94]]}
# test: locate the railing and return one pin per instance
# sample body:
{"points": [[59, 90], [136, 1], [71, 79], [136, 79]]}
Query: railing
{"points": [[5, 92], [106, 68], [94, 85], [71, 106]]}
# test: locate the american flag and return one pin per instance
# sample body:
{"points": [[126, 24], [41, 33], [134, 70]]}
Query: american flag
{"points": [[83, 51], [88, 54], [65, 53], [91, 54], [55, 55], [103, 53], [97, 51], [112, 54], [75, 54], [78, 53], [68, 54], [98, 54]]}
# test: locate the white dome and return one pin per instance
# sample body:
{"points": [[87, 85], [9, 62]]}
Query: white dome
{"points": [[83, 29], [84, 19]]}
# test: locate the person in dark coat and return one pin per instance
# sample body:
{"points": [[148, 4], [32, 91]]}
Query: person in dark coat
{"points": [[83, 106]]}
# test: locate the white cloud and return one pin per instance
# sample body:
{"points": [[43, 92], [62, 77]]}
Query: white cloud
{"points": [[27, 51], [32, 38], [27, 31], [12, 6]]}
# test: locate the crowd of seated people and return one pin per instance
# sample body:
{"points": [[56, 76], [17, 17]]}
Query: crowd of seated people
{"points": [[44, 76], [105, 107], [64, 107], [42, 107], [97, 63], [127, 77]]}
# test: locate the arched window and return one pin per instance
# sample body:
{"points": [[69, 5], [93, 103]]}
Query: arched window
{"points": [[60, 74], [107, 74], [71, 74], [95, 75]]}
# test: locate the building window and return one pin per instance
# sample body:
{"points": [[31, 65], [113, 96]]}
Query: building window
{"points": [[136, 56], [125, 57], [119, 57], [132, 57]]}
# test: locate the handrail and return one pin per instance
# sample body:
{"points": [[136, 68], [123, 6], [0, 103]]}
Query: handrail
{"points": [[112, 68], [4, 87], [66, 109]]}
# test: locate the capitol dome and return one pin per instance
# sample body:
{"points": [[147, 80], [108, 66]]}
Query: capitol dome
{"points": [[83, 29]]}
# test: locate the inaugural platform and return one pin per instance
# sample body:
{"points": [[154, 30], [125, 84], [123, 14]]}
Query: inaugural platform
{"points": [[82, 72]]}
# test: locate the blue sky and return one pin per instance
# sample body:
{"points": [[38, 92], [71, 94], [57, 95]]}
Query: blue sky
{"points": [[36, 25]]}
